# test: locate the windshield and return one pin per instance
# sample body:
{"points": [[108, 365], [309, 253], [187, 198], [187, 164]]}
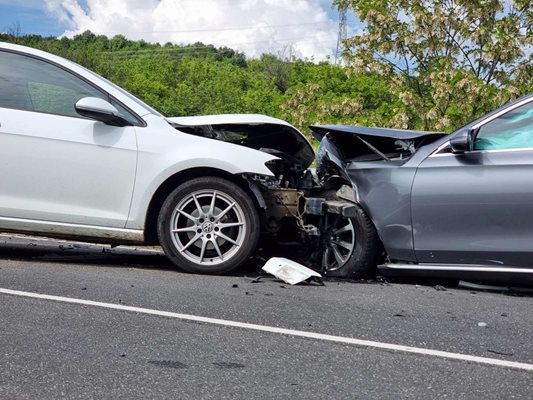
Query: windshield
{"points": [[149, 110]]}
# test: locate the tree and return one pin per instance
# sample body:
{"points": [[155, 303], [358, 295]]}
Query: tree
{"points": [[447, 60], [326, 93]]}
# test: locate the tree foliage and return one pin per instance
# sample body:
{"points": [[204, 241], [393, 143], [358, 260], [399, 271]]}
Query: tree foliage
{"points": [[418, 64], [446, 60], [201, 79]]}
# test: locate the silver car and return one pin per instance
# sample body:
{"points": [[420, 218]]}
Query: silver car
{"points": [[436, 204]]}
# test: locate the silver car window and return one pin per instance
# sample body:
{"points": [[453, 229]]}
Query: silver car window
{"points": [[511, 130]]}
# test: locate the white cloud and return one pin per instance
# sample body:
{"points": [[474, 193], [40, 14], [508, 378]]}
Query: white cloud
{"points": [[251, 26]]}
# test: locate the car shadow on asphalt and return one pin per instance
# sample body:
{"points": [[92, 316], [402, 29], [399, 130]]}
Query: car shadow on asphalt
{"points": [[29, 248], [56, 251]]}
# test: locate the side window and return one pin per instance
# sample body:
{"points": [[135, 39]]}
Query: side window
{"points": [[27, 83], [512, 130], [34, 85]]}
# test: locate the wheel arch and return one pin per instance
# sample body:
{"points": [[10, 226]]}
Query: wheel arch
{"points": [[162, 192]]}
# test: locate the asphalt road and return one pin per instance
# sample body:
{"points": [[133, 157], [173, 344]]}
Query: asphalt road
{"points": [[55, 349]]}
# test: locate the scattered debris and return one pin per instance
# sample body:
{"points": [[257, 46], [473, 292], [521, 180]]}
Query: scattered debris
{"points": [[257, 280], [290, 271], [482, 324], [440, 288], [399, 315], [501, 353], [378, 279]]}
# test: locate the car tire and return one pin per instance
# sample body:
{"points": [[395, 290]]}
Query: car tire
{"points": [[208, 225], [351, 248]]}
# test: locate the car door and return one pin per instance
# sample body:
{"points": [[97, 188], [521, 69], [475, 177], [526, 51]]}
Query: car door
{"points": [[477, 207], [55, 165]]}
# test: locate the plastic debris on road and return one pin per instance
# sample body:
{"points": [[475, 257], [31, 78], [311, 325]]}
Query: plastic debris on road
{"points": [[289, 271]]}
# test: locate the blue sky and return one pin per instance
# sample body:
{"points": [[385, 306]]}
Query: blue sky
{"points": [[31, 16], [308, 26]]}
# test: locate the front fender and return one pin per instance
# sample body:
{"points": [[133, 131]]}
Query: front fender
{"points": [[166, 152]]}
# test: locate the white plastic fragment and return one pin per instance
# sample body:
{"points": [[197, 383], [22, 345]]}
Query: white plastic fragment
{"points": [[482, 324], [289, 271]]}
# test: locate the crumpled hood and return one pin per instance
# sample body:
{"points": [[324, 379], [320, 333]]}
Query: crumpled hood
{"points": [[363, 143], [259, 132]]}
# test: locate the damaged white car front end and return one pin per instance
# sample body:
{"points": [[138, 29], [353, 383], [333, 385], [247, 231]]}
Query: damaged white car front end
{"points": [[301, 216]]}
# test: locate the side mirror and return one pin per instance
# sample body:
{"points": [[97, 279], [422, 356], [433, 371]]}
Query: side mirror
{"points": [[100, 110], [462, 142]]}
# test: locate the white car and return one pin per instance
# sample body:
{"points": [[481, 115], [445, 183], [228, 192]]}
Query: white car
{"points": [[83, 159]]}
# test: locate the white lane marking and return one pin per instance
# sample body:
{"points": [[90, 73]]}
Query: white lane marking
{"points": [[282, 331]]}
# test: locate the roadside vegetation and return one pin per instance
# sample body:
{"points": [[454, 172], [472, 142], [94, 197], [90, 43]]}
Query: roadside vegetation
{"points": [[435, 70]]}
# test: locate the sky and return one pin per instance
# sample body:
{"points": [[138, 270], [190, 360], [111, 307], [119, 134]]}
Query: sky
{"points": [[303, 28]]}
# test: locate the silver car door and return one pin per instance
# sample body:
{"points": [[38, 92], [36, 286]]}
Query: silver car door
{"points": [[477, 207]]}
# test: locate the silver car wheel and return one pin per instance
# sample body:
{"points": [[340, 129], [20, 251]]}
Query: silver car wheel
{"points": [[340, 245], [208, 227]]}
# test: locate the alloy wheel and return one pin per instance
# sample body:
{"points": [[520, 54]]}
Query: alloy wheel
{"points": [[208, 227]]}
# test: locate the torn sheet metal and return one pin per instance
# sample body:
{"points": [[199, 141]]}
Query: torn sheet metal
{"points": [[259, 132], [358, 143], [289, 271]]}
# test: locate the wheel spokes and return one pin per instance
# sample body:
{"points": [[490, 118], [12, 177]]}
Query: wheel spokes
{"points": [[212, 205], [202, 251], [186, 229], [342, 243], [198, 206], [188, 216], [230, 225], [226, 238], [346, 228], [198, 235], [226, 210], [215, 244], [337, 254], [191, 242], [339, 245]]}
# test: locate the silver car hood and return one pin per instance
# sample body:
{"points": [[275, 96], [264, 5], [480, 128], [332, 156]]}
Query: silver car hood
{"points": [[260, 132], [364, 143]]}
